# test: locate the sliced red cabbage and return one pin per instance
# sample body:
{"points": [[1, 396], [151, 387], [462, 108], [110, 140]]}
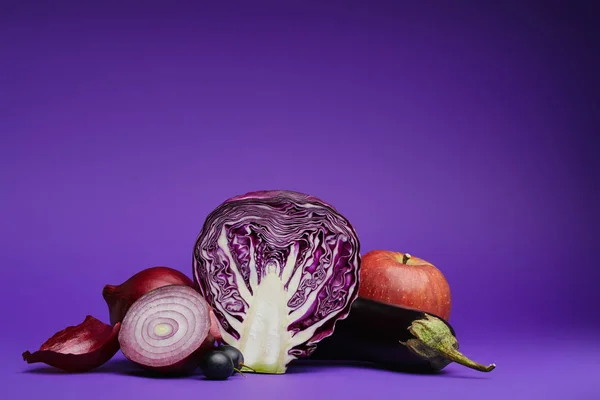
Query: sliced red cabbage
{"points": [[279, 268]]}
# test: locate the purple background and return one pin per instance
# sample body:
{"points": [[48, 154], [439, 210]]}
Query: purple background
{"points": [[462, 132]]}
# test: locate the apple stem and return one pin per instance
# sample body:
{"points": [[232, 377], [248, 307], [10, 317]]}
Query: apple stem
{"points": [[405, 258]]}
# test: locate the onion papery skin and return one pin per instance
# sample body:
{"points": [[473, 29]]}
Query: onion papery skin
{"points": [[167, 330], [78, 348]]}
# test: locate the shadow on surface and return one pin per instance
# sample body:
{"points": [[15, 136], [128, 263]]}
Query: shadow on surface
{"points": [[127, 368], [119, 367], [310, 366]]}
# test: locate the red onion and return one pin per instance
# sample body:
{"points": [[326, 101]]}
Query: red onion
{"points": [[120, 298], [167, 330], [78, 348]]}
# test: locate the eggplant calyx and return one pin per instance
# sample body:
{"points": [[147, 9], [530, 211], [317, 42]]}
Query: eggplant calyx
{"points": [[434, 341]]}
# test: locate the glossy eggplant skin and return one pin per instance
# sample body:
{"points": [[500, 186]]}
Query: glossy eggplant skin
{"points": [[373, 332]]}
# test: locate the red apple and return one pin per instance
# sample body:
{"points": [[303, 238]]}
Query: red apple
{"points": [[400, 279]]}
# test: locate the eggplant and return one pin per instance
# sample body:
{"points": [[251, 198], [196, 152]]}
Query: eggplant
{"points": [[394, 337]]}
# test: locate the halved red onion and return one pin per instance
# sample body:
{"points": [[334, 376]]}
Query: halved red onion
{"points": [[78, 348], [167, 330]]}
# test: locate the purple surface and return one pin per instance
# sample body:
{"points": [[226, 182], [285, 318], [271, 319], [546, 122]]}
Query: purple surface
{"points": [[463, 134], [525, 373]]}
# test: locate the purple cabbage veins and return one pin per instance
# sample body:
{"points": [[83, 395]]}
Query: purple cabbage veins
{"points": [[279, 268]]}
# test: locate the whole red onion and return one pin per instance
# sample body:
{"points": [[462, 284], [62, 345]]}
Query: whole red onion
{"points": [[120, 298]]}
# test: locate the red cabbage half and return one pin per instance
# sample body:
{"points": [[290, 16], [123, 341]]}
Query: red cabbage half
{"points": [[279, 268]]}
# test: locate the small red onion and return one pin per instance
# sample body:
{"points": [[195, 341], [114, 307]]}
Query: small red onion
{"points": [[78, 348], [167, 330], [119, 298]]}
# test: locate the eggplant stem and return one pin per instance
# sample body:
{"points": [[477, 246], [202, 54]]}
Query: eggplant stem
{"points": [[434, 339], [461, 359]]}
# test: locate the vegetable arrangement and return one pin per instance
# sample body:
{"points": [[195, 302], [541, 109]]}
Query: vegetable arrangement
{"points": [[277, 276]]}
